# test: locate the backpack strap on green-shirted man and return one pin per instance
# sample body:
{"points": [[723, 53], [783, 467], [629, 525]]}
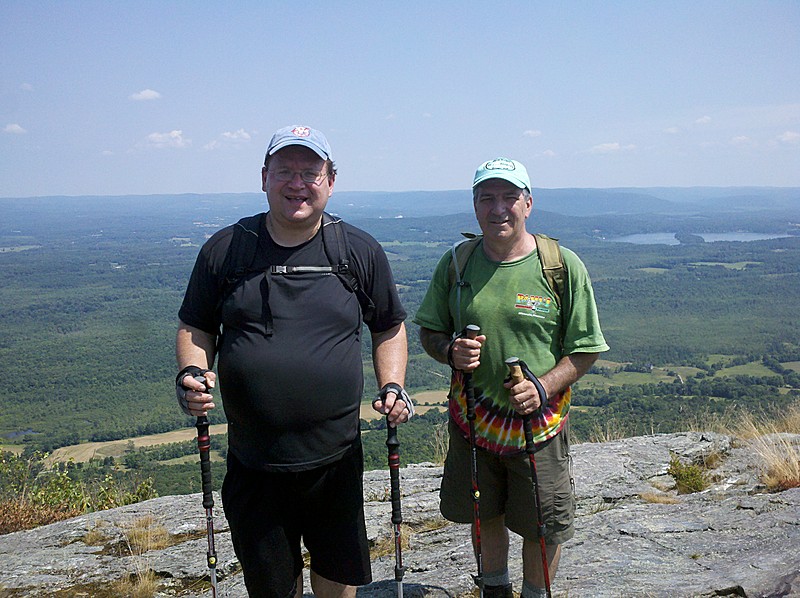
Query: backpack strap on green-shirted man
{"points": [[550, 257]]}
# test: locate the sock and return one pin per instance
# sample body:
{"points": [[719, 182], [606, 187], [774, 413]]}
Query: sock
{"points": [[531, 591], [496, 578]]}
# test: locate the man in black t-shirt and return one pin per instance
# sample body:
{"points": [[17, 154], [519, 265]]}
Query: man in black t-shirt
{"points": [[288, 351]]}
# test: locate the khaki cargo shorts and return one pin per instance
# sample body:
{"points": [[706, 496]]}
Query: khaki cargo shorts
{"points": [[506, 488]]}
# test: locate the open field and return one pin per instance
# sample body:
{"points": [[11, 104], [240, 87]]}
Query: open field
{"points": [[423, 401], [81, 453]]}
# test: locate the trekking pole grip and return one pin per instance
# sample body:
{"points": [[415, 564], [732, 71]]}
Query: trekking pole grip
{"points": [[204, 447], [515, 369], [393, 444], [471, 331]]}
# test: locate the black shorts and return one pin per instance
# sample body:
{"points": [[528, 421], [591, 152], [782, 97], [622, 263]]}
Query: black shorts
{"points": [[270, 512]]}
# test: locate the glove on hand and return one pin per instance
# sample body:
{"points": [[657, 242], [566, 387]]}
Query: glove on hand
{"points": [[401, 394], [180, 390]]}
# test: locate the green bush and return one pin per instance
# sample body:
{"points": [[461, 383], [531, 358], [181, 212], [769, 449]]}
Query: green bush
{"points": [[32, 494], [688, 478]]}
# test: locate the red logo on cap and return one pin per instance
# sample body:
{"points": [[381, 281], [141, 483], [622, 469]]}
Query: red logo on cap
{"points": [[301, 131]]}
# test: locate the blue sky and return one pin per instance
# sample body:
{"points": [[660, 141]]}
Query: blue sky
{"points": [[142, 97]]}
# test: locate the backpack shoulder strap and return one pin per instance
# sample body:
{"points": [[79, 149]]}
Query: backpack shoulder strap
{"points": [[459, 256], [239, 257], [336, 243], [242, 250], [552, 264], [337, 247], [460, 253]]}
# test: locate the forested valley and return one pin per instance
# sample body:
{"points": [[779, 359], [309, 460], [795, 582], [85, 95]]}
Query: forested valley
{"points": [[91, 287]]}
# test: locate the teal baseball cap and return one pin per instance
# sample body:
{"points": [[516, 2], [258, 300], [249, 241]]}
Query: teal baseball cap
{"points": [[503, 168], [300, 135]]}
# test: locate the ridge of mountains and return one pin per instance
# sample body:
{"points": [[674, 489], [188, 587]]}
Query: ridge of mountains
{"points": [[410, 204]]}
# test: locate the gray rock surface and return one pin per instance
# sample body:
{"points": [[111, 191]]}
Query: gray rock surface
{"points": [[733, 539]]}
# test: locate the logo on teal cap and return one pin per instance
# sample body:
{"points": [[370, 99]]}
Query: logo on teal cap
{"points": [[503, 168], [499, 164]]}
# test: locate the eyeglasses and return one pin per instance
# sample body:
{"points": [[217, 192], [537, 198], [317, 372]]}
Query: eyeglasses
{"points": [[308, 176]]}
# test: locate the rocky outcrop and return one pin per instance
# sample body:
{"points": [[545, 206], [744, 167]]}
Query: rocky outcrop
{"points": [[733, 539]]}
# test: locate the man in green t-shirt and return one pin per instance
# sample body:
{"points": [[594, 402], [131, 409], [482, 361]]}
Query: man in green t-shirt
{"points": [[506, 294]]}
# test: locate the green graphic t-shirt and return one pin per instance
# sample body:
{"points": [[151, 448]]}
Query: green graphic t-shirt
{"points": [[517, 311]]}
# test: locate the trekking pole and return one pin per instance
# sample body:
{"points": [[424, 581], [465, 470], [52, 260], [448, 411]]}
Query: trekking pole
{"points": [[471, 331], [204, 447], [397, 517], [517, 376]]}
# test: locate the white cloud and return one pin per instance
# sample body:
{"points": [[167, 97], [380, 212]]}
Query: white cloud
{"points": [[548, 153], [14, 129], [672, 130], [171, 139], [532, 133], [789, 137], [26, 87], [240, 135], [228, 138], [703, 120], [145, 94], [740, 140], [610, 148]]}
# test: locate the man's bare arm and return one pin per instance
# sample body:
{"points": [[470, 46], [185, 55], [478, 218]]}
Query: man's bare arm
{"points": [[435, 343], [194, 347], [567, 372], [390, 358]]}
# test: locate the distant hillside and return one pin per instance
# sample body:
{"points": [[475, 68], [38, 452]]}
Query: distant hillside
{"points": [[573, 202], [225, 207]]}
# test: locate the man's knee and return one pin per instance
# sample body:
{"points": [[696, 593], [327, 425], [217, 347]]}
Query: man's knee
{"points": [[325, 588]]}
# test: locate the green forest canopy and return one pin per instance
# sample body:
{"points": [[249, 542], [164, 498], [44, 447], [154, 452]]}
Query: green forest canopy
{"points": [[91, 289]]}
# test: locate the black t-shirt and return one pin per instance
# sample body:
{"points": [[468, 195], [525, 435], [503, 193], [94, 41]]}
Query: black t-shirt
{"points": [[291, 397]]}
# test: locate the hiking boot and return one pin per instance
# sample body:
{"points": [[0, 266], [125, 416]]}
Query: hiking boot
{"points": [[498, 591]]}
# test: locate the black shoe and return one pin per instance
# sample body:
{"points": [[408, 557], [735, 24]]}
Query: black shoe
{"points": [[498, 591]]}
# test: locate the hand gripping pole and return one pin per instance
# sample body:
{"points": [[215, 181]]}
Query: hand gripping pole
{"points": [[204, 447], [471, 331], [397, 517], [517, 376]]}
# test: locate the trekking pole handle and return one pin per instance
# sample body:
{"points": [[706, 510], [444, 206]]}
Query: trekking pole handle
{"points": [[471, 331], [516, 371], [393, 444], [515, 368], [204, 447], [517, 376]]}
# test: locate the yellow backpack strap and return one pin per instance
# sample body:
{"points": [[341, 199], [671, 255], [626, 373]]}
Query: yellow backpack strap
{"points": [[552, 264]]}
